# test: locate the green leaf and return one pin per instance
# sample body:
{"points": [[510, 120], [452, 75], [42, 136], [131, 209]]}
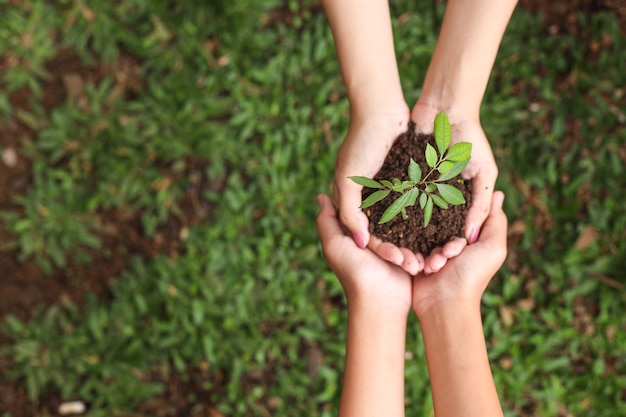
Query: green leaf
{"points": [[413, 198], [366, 182], [459, 152], [439, 202], [403, 186], [442, 132], [405, 200], [431, 156], [374, 198], [396, 181], [445, 166], [457, 168], [451, 194], [415, 172], [428, 211], [386, 183], [430, 188], [423, 199]]}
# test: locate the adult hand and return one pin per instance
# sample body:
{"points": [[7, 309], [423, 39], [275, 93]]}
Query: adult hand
{"points": [[481, 170], [464, 278], [365, 277], [362, 153]]}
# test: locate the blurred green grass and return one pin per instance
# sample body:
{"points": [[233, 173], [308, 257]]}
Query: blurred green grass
{"points": [[257, 94]]}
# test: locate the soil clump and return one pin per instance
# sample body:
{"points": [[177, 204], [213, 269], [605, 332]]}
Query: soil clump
{"points": [[410, 233]]}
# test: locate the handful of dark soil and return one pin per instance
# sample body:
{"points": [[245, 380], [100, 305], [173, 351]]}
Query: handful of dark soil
{"points": [[411, 233]]}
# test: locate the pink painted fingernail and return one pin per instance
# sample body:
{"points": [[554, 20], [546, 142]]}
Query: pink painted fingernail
{"points": [[473, 237], [359, 239]]}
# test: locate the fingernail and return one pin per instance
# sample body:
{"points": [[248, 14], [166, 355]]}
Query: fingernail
{"points": [[359, 239], [473, 237]]}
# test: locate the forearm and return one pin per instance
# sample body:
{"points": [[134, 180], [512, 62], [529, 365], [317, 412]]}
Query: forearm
{"points": [[374, 372], [464, 55], [460, 375], [364, 44]]}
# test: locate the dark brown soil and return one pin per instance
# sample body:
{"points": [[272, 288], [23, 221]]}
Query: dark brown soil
{"points": [[411, 233]]}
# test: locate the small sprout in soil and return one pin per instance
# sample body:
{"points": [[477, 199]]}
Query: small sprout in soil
{"points": [[431, 189]]}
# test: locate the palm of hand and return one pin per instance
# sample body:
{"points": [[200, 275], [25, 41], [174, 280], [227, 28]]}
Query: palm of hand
{"points": [[466, 277], [363, 275], [367, 276], [362, 153]]}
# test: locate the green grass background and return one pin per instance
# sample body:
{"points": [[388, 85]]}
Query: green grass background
{"points": [[259, 97]]}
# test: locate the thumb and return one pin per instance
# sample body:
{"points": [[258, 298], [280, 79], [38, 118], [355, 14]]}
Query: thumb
{"points": [[482, 193], [327, 223], [494, 231], [348, 197]]}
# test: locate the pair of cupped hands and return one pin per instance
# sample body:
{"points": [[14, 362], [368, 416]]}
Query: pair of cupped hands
{"points": [[363, 152]]}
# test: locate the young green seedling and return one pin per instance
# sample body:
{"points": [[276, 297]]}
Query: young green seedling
{"points": [[430, 191]]}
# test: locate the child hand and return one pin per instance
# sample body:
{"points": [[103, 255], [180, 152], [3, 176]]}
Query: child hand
{"points": [[366, 278], [465, 277]]}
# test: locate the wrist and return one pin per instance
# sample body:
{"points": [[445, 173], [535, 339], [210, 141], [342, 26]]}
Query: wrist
{"points": [[447, 309], [387, 308], [380, 110], [451, 99]]}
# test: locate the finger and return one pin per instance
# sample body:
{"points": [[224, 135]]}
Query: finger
{"points": [[421, 261], [327, 223], [411, 263], [435, 261], [454, 247], [348, 197], [387, 251], [495, 227], [482, 192], [493, 236]]}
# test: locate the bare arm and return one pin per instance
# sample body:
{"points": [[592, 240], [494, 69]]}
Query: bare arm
{"points": [[364, 44], [378, 112], [466, 50], [458, 365], [373, 382], [455, 83], [379, 301], [447, 304]]}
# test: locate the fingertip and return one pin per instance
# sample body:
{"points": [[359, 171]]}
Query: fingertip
{"points": [[421, 263], [387, 251], [360, 239], [435, 261], [357, 223], [320, 201], [472, 234], [454, 247], [498, 199], [410, 263]]}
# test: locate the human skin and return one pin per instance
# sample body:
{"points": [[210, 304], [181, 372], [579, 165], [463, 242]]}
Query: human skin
{"points": [[455, 83], [380, 296], [379, 300], [447, 304]]}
